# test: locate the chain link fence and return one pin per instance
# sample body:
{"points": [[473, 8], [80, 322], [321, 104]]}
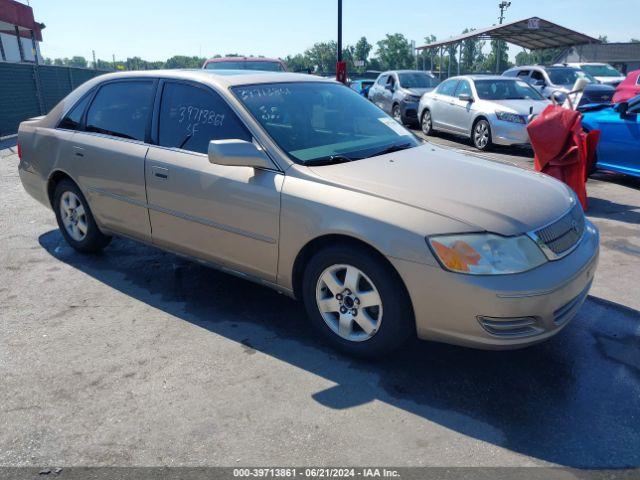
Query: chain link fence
{"points": [[28, 90]]}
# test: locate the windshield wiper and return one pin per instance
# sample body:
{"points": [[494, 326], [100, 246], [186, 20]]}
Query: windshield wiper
{"points": [[393, 148], [331, 159]]}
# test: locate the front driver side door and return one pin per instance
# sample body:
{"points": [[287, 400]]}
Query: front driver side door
{"points": [[224, 214], [619, 145]]}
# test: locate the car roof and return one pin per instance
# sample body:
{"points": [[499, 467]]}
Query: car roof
{"points": [[243, 59], [221, 78], [482, 77], [406, 71]]}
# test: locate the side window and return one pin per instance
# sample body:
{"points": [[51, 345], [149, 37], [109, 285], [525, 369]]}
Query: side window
{"points": [[536, 76], [523, 73], [510, 73], [447, 87], [121, 109], [463, 88], [383, 79], [72, 120], [190, 117], [391, 81]]}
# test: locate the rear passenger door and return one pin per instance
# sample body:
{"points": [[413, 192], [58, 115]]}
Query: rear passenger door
{"points": [[106, 155], [224, 214], [442, 106]]}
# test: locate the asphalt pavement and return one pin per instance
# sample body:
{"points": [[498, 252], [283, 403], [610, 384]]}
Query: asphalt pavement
{"points": [[139, 357]]}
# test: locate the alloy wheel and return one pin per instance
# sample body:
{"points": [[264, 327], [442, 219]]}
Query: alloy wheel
{"points": [[426, 123], [74, 217], [481, 135], [349, 302], [397, 116]]}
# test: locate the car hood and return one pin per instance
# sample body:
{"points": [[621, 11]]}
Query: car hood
{"points": [[521, 106], [486, 195], [418, 91]]}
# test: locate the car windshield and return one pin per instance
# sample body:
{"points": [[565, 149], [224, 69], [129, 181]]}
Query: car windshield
{"points": [[417, 80], [567, 75], [323, 122], [506, 90], [601, 70], [245, 65]]}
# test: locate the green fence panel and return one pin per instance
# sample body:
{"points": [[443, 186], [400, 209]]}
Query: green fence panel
{"points": [[55, 84], [23, 87], [18, 96]]}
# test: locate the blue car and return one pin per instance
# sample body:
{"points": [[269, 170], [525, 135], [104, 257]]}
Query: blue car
{"points": [[619, 146], [362, 86]]}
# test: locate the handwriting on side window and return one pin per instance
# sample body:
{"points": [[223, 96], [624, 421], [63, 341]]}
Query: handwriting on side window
{"points": [[194, 117]]}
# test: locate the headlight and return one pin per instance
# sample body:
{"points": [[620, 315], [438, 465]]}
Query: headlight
{"points": [[411, 98], [510, 117], [486, 254]]}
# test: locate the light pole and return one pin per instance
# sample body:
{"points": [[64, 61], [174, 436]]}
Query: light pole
{"points": [[503, 8]]}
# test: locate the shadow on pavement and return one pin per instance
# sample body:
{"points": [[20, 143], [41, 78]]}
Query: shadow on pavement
{"points": [[574, 400]]}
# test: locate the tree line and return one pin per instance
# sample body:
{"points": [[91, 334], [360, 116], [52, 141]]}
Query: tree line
{"points": [[392, 52]]}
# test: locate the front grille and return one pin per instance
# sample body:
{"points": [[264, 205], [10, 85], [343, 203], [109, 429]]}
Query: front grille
{"points": [[563, 234], [511, 327]]}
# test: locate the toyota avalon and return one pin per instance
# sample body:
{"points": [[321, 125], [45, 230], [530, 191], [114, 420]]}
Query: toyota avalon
{"points": [[301, 184]]}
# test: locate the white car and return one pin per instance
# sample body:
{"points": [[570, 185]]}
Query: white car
{"points": [[603, 72], [487, 109]]}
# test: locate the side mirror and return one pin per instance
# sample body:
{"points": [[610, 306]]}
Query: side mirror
{"points": [[389, 87], [237, 153], [465, 97]]}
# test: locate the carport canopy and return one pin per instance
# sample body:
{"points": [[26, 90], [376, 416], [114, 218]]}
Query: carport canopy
{"points": [[531, 33]]}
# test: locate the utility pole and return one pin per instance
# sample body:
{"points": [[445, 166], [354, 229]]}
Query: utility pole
{"points": [[341, 66], [114, 61], [95, 65], [503, 8]]}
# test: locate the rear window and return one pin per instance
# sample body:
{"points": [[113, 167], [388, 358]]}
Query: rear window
{"points": [[447, 87], [417, 80], [245, 65], [121, 109], [72, 120]]}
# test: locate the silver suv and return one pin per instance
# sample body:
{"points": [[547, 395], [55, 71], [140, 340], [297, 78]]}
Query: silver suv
{"points": [[548, 80]]}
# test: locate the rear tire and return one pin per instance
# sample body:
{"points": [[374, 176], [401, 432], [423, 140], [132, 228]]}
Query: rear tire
{"points": [[426, 123], [357, 301], [75, 219]]}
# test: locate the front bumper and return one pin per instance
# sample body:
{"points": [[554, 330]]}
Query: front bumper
{"points": [[409, 111], [508, 133], [488, 311]]}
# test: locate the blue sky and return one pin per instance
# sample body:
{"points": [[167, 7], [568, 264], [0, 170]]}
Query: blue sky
{"points": [[156, 30]]}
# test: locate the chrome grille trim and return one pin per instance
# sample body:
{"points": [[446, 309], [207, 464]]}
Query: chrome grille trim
{"points": [[510, 327], [562, 236]]}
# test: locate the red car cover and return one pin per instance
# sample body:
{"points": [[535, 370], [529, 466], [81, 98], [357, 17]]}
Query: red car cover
{"points": [[562, 148]]}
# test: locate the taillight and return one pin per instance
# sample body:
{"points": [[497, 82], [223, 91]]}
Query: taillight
{"points": [[19, 152]]}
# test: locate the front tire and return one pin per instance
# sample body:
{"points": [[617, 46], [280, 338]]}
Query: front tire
{"points": [[357, 301], [481, 135], [397, 114], [75, 219]]}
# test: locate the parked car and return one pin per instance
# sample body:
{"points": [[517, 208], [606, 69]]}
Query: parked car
{"points": [[304, 186], [619, 145], [628, 88], [398, 93], [560, 79], [245, 63], [362, 86], [602, 72], [487, 109]]}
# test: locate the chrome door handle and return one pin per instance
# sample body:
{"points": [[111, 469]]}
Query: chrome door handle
{"points": [[160, 172], [79, 151]]}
